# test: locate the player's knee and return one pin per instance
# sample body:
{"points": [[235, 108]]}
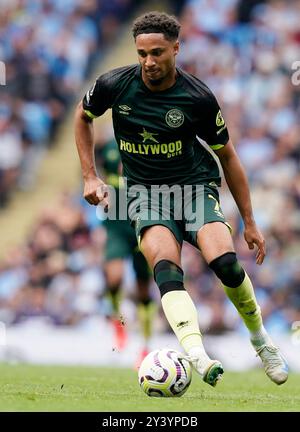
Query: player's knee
{"points": [[168, 276], [228, 269]]}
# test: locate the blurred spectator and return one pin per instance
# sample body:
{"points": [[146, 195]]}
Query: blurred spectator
{"points": [[48, 48]]}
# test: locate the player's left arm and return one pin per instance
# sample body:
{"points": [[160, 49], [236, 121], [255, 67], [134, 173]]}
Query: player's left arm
{"points": [[236, 179]]}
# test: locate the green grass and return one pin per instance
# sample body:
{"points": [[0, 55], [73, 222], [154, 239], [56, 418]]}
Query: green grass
{"points": [[57, 388]]}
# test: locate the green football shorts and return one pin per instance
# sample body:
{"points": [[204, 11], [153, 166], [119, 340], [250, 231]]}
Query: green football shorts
{"points": [[184, 211]]}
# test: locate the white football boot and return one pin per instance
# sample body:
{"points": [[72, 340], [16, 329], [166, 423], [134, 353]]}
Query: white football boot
{"points": [[211, 371], [274, 363]]}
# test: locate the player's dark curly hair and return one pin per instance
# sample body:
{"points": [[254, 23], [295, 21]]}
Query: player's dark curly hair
{"points": [[157, 22]]}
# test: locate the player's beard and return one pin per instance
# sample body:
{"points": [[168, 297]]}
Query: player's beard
{"points": [[159, 81], [156, 82]]}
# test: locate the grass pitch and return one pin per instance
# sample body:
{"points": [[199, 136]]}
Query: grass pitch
{"points": [[57, 388]]}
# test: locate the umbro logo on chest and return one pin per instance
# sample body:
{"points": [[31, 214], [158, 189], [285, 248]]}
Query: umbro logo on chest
{"points": [[124, 109]]}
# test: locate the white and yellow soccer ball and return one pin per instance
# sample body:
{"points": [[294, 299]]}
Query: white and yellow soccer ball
{"points": [[165, 373]]}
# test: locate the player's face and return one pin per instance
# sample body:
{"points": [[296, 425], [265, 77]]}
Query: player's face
{"points": [[156, 56]]}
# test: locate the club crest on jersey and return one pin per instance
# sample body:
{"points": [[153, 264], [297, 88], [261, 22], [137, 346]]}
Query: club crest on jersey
{"points": [[174, 118]]}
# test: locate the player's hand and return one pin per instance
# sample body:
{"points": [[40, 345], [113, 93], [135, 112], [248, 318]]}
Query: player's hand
{"points": [[253, 236], [96, 192]]}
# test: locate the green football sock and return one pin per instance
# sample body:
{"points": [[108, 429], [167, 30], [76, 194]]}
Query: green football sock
{"points": [[114, 296], [182, 316], [145, 313], [244, 300]]}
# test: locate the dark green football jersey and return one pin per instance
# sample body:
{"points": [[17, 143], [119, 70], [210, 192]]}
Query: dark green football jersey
{"points": [[157, 131]]}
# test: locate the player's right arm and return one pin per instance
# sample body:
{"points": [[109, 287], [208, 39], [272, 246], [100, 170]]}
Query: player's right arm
{"points": [[94, 190], [95, 102]]}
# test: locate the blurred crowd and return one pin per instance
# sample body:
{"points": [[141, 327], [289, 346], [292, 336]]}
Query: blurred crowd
{"points": [[48, 48], [252, 46]]}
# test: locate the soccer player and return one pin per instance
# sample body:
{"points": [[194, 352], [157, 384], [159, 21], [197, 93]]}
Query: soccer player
{"points": [[121, 243], [158, 112]]}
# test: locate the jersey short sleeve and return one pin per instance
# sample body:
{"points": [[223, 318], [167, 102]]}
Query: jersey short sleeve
{"points": [[103, 93], [99, 97], [214, 130]]}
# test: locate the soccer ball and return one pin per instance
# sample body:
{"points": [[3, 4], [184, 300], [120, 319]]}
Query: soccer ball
{"points": [[165, 373]]}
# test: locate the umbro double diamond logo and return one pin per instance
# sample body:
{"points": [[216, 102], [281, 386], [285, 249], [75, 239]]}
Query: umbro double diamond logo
{"points": [[124, 109]]}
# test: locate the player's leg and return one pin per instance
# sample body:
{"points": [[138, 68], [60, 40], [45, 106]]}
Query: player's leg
{"points": [[162, 251], [146, 313], [215, 242], [116, 250], [113, 271], [146, 307], [146, 310]]}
